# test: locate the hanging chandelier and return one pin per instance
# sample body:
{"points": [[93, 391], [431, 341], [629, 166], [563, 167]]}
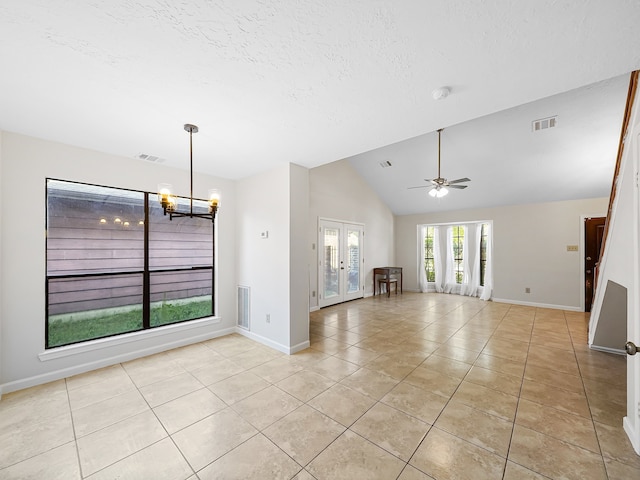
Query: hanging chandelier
{"points": [[169, 202]]}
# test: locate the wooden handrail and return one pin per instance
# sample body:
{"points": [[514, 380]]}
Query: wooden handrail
{"points": [[631, 94]]}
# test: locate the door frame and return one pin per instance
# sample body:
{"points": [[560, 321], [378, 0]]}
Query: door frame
{"points": [[581, 253], [319, 261]]}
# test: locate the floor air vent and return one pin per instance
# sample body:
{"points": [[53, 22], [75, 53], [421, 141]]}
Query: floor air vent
{"points": [[244, 295]]}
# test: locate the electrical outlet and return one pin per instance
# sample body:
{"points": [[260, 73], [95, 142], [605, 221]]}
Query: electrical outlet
{"points": [[527, 290], [268, 318]]}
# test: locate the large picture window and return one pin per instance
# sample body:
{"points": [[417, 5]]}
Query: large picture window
{"points": [[116, 264], [456, 258]]}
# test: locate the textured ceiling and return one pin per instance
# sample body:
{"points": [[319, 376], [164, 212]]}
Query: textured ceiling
{"points": [[305, 81]]}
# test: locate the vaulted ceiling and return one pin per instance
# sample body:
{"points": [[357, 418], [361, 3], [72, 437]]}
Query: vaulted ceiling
{"points": [[315, 81]]}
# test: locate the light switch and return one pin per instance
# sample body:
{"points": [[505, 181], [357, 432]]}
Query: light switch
{"points": [[264, 234], [572, 248]]}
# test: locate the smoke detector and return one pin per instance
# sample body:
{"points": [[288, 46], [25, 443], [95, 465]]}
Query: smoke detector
{"points": [[441, 93]]}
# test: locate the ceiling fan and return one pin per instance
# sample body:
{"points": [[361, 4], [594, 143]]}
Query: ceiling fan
{"points": [[440, 186]]}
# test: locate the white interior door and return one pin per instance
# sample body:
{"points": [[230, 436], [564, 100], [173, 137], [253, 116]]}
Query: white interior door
{"points": [[631, 422], [340, 262]]}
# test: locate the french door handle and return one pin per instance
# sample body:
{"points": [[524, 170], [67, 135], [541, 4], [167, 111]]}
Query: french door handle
{"points": [[631, 348]]}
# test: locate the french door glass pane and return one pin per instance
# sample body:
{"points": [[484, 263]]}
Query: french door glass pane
{"points": [[331, 262], [353, 259]]}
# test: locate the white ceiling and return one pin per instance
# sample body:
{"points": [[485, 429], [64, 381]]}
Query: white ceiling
{"points": [[508, 163], [307, 81]]}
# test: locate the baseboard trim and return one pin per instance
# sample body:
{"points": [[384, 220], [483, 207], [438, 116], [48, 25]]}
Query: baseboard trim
{"points": [[270, 343], [314, 309], [616, 351], [538, 305], [108, 361], [634, 436]]}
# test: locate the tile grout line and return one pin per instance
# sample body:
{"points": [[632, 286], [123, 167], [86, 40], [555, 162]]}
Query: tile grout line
{"points": [[584, 388], [515, 415], [73, 427]]}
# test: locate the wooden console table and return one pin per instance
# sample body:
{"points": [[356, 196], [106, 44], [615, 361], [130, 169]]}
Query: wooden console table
{"points": [[387, 271]]}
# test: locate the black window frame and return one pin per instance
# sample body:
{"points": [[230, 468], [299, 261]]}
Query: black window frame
{"points": [[146, 271]]}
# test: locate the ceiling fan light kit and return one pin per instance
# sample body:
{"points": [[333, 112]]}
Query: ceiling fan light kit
{"points": [[438, 192], [440, 186]]}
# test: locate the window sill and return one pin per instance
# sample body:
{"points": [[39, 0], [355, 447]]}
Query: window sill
{"points": [[93, 345]]}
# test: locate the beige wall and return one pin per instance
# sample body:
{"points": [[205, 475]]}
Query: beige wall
{"points": [[337, 192], [529, 249], [299, 267], [26, 163], [275, 202]]}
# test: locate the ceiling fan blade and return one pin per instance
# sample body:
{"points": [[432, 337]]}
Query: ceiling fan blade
{"points": [[460, 180], [421, 186], [457, 186]]}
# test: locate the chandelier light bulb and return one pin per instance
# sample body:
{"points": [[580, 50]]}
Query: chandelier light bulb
{"points": [[169, 202]]}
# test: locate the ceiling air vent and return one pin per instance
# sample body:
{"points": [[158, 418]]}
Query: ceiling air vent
{"points": [[544, 123], [149, 158], [385, 164]]}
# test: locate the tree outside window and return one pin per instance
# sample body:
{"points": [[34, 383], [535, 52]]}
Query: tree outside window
{"points": [[483, 251], [458, 247], [429, 262]]}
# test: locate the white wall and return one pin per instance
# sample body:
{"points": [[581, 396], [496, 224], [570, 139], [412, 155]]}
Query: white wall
{"points": [[26, 163], [337, 192], [529, 249], [1, 268], [621, 264], [273, 202], [299, 268]]}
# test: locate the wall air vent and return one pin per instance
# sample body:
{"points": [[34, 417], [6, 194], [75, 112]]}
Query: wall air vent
{"points": [[244, 301], [149, 158], [385, 164], [544, 123]]}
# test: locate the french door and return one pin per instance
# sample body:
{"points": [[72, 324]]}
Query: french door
{"points": [[340, 262]]}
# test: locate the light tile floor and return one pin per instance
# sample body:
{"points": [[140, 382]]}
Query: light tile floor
{"points": [[414, 386]]}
